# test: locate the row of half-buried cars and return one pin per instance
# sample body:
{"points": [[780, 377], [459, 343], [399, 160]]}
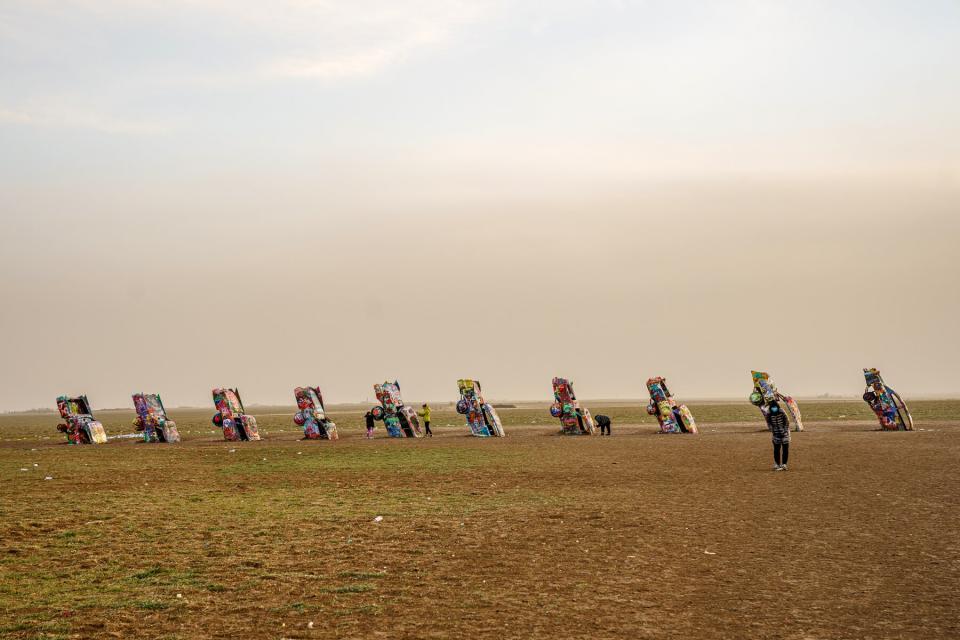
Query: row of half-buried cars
{"points": [[673, 417], [402, 421], [576, 420], [81, 427]]}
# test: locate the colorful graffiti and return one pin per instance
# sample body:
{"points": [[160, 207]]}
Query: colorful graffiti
{"points": [[400, 420], [152, 419], [575, 420], [765, 395], [312, 416], [231, 418], [481, 417], [886, 403], [672, 417], [78, 424]]}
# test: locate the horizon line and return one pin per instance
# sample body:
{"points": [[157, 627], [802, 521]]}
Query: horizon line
{"points": [[638, 401]]}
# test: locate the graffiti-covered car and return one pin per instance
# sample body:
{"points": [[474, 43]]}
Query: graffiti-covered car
{"points": [[400, 420], [673, 417], [575, 420], [890, 408], [152, 419], [312, 416], [231, 418], [78, 424], [765, 395], [481, 417]]}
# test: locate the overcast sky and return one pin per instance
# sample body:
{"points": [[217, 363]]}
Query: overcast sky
{"points": [[205, 193]]}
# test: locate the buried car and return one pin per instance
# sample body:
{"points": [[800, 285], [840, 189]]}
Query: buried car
{"points": [[673, 417], [230, 416], [481, 417], [78, 424], [766, 395], [312, 416], [400, 420], [890, 408], [152, 419], [574, 419]]}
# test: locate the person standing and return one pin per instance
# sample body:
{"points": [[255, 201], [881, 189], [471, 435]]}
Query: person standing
{"points": [[604, 423], [369, 419], [780, 431], [425, 414]]}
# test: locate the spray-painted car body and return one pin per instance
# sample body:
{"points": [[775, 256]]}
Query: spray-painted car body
{"points": [[400, 420], [575, 420], [78, 424], [765, 394], [673, 417], [312, 415], [481, 417], [886, 403], [152, 419], [231, 417]]}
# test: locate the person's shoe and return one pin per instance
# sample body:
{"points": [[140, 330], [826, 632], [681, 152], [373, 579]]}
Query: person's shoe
{"points": [[777, 467], [783, 467]]}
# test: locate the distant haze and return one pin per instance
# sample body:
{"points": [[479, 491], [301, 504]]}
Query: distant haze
{"points": [[200, 194]]}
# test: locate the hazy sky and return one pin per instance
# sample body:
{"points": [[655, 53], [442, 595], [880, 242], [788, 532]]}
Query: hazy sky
{"points": [[226, 193]]}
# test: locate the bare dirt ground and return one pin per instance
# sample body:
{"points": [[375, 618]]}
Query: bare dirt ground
{"points": [[532, 536]]}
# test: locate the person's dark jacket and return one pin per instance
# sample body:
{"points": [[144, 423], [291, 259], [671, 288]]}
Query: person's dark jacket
{"points": [[778, 423]]}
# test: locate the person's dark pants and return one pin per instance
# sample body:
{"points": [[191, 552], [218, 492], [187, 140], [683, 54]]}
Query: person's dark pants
{"points": [[604, 429], [427, 427], [781, 452]]}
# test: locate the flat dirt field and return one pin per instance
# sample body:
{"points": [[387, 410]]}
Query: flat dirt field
{"points": [[532, 536]]}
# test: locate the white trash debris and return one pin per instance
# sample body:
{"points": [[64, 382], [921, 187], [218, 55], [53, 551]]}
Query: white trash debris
{"points": [[24, 469], [709, 553], [51, 478], [378, 519], [310, 625]]}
